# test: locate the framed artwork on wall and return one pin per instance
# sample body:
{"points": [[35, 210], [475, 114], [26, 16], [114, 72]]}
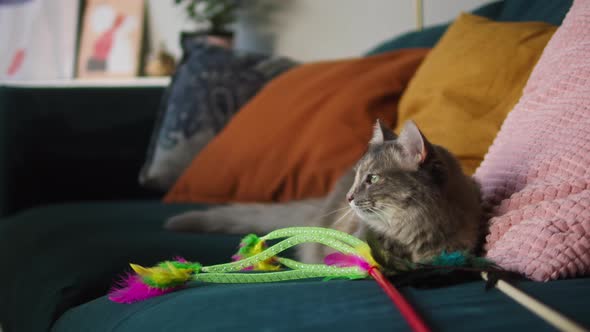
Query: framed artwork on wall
{"points": [[38, 39], [111, 39]]}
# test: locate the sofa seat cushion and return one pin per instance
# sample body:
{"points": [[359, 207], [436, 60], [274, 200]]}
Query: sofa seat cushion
{"points": [[62, 259], [326, 306], [60, 256]]}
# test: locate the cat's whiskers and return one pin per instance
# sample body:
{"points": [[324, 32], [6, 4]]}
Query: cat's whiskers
{"points": [[332, 212], [380, 214], [390, 209], [343, 216]]}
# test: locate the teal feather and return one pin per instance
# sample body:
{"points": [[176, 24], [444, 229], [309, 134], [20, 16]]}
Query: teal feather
{"points": [[455, 258], [459, 259], [445, 269]]}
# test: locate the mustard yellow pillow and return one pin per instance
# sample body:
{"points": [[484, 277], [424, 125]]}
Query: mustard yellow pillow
{"points": [[469, 82]]}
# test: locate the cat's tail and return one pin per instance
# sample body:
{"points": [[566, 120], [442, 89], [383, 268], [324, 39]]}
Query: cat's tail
{"points": [[246, 218]]}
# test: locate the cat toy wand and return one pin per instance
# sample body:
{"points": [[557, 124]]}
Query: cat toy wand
{"points": [[551, 316], [406, 310], [352, 260]]}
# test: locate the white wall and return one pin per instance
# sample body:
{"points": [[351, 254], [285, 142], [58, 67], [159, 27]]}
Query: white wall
{"points": [[165, 21], [442, 11], [327, 29], [309, 30]]}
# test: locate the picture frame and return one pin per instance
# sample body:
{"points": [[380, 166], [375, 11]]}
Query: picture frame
{"points": [[111, 39], [40, 39]]}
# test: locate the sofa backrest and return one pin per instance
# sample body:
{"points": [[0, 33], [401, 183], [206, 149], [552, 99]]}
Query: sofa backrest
{"points": [[72, 144], [552, 11]]}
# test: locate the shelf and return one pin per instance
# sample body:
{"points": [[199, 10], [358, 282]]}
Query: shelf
{"points": [[92, 83]]}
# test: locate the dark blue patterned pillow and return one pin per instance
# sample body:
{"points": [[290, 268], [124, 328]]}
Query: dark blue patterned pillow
{"points": [[210, 85]]}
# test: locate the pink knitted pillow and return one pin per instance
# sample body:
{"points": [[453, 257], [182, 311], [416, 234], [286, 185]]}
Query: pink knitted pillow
{"points": [[536, 175]]}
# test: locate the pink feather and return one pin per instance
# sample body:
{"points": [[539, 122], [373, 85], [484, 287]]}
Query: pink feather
{"points": [[344, 260], [180, 259], [132, 289]]}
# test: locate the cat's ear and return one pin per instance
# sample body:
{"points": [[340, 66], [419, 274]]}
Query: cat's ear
{"points": [[414, 142], [381, 133]]}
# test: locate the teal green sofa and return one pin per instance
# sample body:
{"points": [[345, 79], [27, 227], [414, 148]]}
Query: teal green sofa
{"points": [[73, 216]]}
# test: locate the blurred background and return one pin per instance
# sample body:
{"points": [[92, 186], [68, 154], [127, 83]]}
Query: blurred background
{"points": [[106, 39]]}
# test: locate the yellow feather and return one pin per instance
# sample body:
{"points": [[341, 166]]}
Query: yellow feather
{"points": [[142, 271], [163, 276], [170, 275], [365, 252], [267, 266], [258, 248]]}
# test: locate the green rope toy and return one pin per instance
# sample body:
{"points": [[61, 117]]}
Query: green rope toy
{"points": [[352, 260], [253, 255]]}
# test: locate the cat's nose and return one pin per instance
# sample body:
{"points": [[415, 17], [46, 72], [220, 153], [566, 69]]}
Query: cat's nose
{"points": [[350, 198]]}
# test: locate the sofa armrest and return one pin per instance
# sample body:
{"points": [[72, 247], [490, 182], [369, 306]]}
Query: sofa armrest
{"points": [[62, 144]]}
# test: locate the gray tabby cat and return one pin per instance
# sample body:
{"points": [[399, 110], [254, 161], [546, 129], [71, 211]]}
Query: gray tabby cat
{"points": [[407, 197]]}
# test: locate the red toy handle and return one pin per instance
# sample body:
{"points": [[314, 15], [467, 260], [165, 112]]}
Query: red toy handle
{"points": [[413, 319]]}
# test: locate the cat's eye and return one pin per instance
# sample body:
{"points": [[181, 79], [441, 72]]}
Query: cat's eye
{"points": [[372, 178]]}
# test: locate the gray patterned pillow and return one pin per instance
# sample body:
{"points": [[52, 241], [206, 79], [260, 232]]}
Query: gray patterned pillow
{"points": [[210, 85]]}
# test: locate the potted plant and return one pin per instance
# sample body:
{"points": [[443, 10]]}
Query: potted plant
{"points": [[218, 15]]}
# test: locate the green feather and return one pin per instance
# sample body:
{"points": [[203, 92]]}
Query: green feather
{"points": [[248, 243]]}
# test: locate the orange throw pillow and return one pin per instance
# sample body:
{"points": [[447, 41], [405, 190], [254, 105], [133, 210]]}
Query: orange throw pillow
{"points": [[300, 133]]}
